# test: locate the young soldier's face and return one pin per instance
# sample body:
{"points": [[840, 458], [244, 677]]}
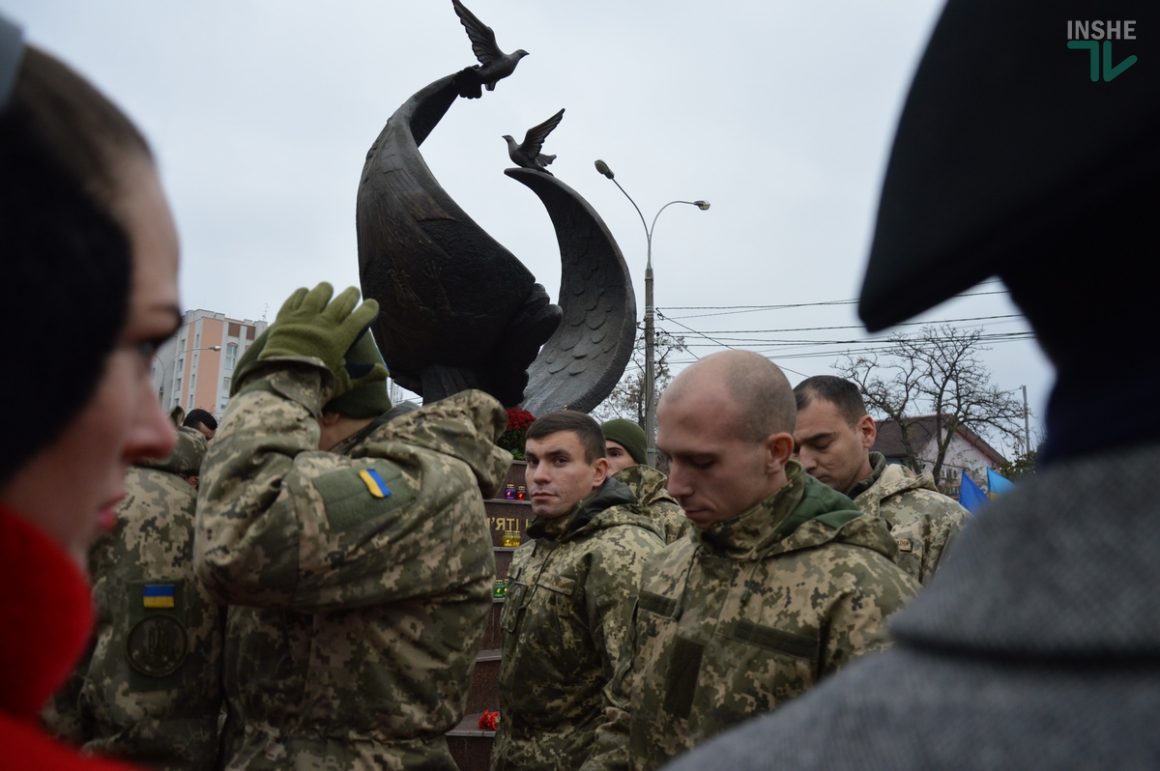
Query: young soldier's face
{"points": [[618, 458], [558, 475], [829, 448]]}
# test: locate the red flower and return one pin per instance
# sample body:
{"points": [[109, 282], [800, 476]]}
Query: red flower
{"points": [[489, 720], [519, 419]]}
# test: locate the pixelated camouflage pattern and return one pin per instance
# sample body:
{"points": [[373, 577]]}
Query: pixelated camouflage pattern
{"points": [[187, 455], [356, 619], [565, 625], [922, 520], [746, 615], [648, 485], [150, 689]]}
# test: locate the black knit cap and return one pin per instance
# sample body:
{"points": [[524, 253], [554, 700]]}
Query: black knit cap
{"points": [[1005, 143]]}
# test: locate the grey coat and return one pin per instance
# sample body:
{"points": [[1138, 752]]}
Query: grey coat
{"points": [[1036, 645]]}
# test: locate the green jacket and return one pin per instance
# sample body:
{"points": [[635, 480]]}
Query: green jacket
{"points": [[922, 520], [566, 625], [748, 614], [150, 689], [361, 582], [648, 485]]}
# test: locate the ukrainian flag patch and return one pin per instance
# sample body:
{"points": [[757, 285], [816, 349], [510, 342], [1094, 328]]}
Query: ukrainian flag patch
{"points": [[158, 595], [374, 482]]}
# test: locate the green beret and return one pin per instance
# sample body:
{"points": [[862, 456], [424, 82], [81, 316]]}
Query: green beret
{"points": [[365, 401], [628, 435]]}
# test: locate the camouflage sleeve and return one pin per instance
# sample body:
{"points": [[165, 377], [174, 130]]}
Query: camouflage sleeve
{"points": [[610, 747], [611, 589], [946, 517], [281, 523], [872, 588]]}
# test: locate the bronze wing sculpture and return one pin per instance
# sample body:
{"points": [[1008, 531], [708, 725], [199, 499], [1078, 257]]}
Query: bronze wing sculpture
{"points": [[582, 362], [458, 309]]}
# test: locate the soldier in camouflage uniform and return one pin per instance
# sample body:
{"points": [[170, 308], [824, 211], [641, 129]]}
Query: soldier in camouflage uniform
{"points": [[569, 604], [625, 445], [352, 546], [150, 689], [782, 583], [833, 438]]}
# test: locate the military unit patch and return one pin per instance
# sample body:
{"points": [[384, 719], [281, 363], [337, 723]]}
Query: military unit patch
{"points": [[157, 645]]}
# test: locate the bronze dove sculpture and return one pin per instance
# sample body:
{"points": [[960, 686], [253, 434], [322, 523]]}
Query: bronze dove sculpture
{"points": [[494, 64], [527, 155], [457, 309]]}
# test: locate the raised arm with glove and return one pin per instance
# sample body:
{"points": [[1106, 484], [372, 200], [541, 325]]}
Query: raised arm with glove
{"points": [[360, 577]]}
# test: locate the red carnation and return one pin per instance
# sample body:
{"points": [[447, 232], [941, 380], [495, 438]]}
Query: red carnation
{"points": [[512, 439]]}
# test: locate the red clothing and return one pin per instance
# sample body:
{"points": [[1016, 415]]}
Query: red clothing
{"points": [[45, 616]]}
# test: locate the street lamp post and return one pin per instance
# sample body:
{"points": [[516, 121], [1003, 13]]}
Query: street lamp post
{"points": [[649, 312]]}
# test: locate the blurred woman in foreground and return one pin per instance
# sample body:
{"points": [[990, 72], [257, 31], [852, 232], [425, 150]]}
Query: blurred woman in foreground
{"points": [[89, 256]]}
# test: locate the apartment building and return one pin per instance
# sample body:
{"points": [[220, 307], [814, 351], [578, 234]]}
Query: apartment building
{"points": [[195, 367]]}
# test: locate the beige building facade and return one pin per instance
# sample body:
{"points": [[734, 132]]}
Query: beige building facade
{"points": [[194, 369]]}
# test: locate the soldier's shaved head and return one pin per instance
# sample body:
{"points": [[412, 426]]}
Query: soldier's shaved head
{"points": [[757, 392], [726, 424]]}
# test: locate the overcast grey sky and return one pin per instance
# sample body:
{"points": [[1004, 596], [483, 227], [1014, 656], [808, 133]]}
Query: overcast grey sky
{"points": [[779, 113]]}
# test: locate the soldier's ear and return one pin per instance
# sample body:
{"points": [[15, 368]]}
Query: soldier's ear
{"points": [[601, 467], [868, 431], [778, 449]]}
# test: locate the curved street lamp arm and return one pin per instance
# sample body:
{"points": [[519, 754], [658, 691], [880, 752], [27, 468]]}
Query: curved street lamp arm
{"points": [[639, 213]]}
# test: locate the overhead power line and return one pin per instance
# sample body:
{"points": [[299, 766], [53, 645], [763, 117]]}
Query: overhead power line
{"points": [[730, 310], [847, 326]]}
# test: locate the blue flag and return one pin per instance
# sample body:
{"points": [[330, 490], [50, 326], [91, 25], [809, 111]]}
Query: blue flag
{"points": [[997, 483], [971, 496]]}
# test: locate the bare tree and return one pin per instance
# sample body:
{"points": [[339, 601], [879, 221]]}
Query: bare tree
{"points": [[936, 372], [627, 398]]}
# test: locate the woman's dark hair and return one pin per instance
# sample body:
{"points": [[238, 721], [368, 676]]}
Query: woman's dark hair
{"points": [[67, 260]]}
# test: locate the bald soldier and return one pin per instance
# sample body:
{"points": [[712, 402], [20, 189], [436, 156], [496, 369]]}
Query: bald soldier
{"points": [[832, 441], [1037, 644], [782, 582], [627, 450]]}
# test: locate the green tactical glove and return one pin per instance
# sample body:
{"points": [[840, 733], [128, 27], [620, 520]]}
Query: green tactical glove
{"points": [[311, 324]]}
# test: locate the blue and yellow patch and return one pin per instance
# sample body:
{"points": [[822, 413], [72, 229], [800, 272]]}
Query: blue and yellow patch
{"points": [[374, 482], [358, 497], [158, 595]]}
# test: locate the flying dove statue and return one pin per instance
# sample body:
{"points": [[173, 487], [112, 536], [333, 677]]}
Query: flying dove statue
{"points": [[494, 64], [527, 154]]}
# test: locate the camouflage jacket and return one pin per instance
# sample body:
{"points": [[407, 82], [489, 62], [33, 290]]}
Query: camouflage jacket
{"points": [[565, 627], [150, 689], [648, 485], [361, 582], [922, 520], [746, 615]]}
